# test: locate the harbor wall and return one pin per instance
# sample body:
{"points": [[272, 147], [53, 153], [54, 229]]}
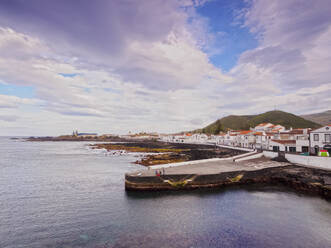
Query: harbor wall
{"points": [[318, 162]]}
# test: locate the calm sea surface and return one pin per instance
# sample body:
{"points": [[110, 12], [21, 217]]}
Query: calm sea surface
{"points": [[61, 194]]}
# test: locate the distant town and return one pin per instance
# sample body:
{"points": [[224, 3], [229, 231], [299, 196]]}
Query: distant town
{"points": [[265, 136]]}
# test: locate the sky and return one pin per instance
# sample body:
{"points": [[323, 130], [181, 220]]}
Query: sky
{"points": [[114, 66]]}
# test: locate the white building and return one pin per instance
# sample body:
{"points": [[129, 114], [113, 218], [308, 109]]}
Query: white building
{"points": [[230, 139], [282, 145], [246, 139], [277, 128], [263, 127], [265, 136], [261, 140], [319, 138], [87, 135], [269, 127]]}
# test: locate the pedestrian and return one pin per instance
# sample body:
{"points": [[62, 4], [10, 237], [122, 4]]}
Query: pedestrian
{"points": [[163, 170]]}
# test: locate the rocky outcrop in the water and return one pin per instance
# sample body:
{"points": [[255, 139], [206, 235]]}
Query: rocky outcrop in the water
{"points": [[302, 179], [165, 153]]}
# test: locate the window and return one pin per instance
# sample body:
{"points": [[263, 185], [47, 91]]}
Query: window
{"points": [[292, 149], [305, 149], [316, 137], [327, 137]]}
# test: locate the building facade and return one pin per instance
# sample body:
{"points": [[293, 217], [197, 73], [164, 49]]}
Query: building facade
{"points": [[320, 138]]}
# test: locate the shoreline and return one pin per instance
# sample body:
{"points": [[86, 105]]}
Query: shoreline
{"points": [[196, 175], [158, 153], [221, 175]]}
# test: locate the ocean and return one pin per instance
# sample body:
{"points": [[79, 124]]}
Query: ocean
{"points": [[63, 194]]}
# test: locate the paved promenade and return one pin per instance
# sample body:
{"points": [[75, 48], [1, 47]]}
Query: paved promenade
{"points": [[214, 167]]}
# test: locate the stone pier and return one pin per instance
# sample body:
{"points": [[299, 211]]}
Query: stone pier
{"points": [[224, 173]]}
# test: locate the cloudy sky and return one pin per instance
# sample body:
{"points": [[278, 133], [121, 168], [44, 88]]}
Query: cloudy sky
{"points": [[113, 66]]}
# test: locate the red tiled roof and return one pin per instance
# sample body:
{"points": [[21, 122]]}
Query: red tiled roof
{"points": [[296, 131], [245, 132]]}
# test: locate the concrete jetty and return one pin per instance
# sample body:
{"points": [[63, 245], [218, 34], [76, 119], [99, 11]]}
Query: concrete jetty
{"points": [[226, 172]]}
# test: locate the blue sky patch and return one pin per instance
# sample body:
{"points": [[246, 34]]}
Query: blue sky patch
{"points": [[17, 90], [231, 39], [69, 75]]}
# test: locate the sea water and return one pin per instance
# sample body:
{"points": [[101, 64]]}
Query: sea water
{"points": [[64, 194]]}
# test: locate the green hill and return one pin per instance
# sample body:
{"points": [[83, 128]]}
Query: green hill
{"points": [[323, 118], [244, 122]]}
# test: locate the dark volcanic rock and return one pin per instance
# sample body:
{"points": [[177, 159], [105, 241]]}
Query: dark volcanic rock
{"points": [[301, 179]]}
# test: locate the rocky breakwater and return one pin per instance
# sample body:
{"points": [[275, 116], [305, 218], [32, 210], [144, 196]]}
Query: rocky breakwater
{"points": [[301, 179]]}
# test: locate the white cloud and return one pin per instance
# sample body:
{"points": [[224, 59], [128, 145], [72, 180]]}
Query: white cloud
{"points": [[14, 101], [159, 78], [153, 81], [292, 57]]}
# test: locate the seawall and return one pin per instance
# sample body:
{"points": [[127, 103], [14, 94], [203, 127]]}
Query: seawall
{"points": [[311, 161]]}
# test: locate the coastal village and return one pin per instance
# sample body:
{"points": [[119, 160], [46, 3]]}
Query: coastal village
{"points": [[297, 158], [266, 153], [265, 136]]}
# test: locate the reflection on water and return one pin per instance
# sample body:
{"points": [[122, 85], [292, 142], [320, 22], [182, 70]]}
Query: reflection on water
{"points": [[58, 194]]}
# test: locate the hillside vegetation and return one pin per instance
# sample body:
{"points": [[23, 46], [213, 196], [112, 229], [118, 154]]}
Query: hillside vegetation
{"points": [[244, 122], [323, 118]]}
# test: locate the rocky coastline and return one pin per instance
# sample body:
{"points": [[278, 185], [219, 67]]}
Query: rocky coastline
{"points": [[157, 152], [302, 179]]}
